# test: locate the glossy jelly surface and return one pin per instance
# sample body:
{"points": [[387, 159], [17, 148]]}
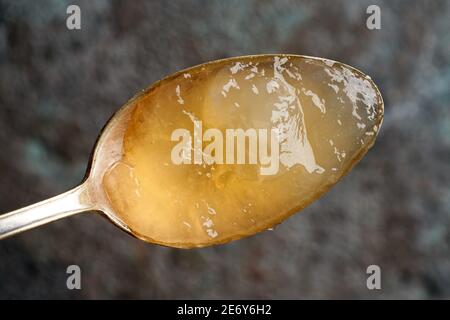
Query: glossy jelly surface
{"points": [[230, 148]]}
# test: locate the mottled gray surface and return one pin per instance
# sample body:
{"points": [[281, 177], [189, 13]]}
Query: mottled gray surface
{"points": [[58, 87]]}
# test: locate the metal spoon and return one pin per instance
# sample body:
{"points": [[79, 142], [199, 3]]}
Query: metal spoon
{"points": [[335, 85]]}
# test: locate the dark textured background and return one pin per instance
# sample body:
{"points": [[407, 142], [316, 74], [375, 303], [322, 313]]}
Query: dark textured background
{"points": [[58, 87]]}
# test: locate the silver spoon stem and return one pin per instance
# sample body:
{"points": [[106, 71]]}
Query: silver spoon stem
{"points": [[58, 207]]}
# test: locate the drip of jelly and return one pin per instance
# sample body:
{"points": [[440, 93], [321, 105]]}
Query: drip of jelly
{"points": [[181, 190]]}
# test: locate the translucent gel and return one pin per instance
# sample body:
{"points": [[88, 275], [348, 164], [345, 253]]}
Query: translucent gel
{"points": [[327, 116]]}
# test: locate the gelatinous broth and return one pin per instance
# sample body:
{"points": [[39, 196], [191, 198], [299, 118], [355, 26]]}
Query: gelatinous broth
{"points": [[183, 191]]}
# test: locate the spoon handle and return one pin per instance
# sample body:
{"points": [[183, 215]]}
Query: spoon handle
{"points": [[61, 206]]}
